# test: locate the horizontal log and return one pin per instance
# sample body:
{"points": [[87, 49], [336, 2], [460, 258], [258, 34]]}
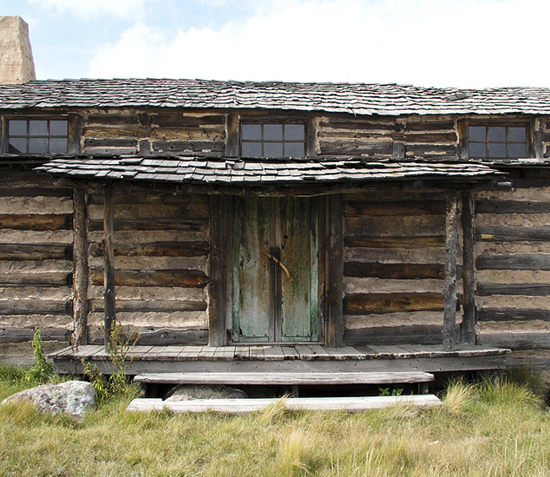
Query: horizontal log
{"points": [[152, 224], [428, 150], [180, 120], [195, 146], [527, 289], [429, 126], [395, 242], [358, 125], [164, 278], [415, 334], [513, 234], [160, 336], [356, 147], [394, 270], [150, 306], [155, 249], [36, 221], [20, 335], [385, 208], [513, 262], [427, 138], [377, 303], [512, 314], [511, 207], [110, 142], [36, 279], [123, 131], [27, 191], [395, 226], [36, 307], [52, 251], [515, 341]]}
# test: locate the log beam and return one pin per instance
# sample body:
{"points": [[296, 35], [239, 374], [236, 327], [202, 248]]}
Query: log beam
{"points": [[449, 294], [109, 264], [468, 326], [335, 328], [80, 276]]}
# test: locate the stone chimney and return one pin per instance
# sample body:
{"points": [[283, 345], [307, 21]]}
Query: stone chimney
{"points": [[16, 63]]}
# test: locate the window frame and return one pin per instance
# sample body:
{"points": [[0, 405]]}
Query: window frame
{"points": [[530, 140], [73, 133], [263, 141]]}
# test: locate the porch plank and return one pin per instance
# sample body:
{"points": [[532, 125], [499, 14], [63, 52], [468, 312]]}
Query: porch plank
{"points": [[190, 353], [83, 351], [350, 404], [291, 379], [290, 353], [321, 352], [274, 353], [242, 352], [171, 353], [352, 353], [224, 353], [305, 352], [257, 353]]}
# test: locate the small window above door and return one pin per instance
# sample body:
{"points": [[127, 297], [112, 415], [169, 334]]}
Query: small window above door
{"points": [[38, 136], [498, 141], [273, 140]]}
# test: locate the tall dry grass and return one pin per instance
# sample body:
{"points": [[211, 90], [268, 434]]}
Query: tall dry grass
{"points": [[497, 428]]}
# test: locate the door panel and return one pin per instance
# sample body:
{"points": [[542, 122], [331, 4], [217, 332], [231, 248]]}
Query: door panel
{"points": [[251, 269], [299, 301], [275, 270]]}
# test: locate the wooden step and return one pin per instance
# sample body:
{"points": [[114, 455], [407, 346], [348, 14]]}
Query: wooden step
{"points": [[236, 406], [289, 378]]}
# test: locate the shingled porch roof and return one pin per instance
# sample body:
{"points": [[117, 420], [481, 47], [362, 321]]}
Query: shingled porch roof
{"points": [[261, 171]]}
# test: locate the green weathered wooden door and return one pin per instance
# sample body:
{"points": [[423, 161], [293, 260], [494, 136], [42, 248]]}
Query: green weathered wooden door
{"points": [[275, 270]]}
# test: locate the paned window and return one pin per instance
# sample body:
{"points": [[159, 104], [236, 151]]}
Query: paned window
{"points": [[273, 140], [494, 142], [38, 136]]}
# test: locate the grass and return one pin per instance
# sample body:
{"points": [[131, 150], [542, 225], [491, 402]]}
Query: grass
{"points": [[496, 428]]}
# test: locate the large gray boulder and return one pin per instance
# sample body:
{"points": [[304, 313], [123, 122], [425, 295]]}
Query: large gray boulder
{"points": [[73, 397]]}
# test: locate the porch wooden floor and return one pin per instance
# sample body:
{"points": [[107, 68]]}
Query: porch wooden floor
{"points": [[429, 358]]}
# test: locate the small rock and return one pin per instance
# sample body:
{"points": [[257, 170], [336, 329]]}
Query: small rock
{"points": [[188, 392], [73, 397]]}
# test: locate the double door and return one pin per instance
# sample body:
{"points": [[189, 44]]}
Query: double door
{"points": [[275, 269]]}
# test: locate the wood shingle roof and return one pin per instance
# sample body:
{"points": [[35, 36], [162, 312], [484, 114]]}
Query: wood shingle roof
{"points": [[360, 99]]}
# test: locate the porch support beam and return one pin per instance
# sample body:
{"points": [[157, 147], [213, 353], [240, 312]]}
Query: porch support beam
{"points": [[217, 335], [109, 263], [80, 261], [451, 245], [468, 326], [335, 328]]}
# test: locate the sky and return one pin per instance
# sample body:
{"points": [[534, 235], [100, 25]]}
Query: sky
{"points": [[455, 43]]}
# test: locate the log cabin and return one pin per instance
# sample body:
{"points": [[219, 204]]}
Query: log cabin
{"points": [[275, 223]]}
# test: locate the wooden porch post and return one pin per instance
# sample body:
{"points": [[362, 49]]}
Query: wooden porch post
{"points": [[109, 263], [80, 260], [218, 242], [451, 245], [468, 327], [335, 329]]}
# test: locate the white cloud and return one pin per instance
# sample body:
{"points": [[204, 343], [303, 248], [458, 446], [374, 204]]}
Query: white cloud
{"points": [[95, 8], [468, 43]]}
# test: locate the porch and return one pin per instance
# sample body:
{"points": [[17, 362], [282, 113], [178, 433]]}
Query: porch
{"points": [[285, 358]]}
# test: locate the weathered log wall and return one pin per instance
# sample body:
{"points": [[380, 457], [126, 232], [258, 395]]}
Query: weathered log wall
{"points": [[36, 266], [394, 249], [413, 136], [134, 131], [161, 265], [513, 265]]}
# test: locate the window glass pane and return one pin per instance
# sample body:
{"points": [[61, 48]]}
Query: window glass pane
{"points": [[477, 133], [38, 145], [58, 145], [252, 131], [273, 149], [58, 128], [252, 149], [294, 149], [496, 133], [18, 145], [477, 149], [18, 128], [273, 132], [516, 134], [294, 132], [517, 150], [38, 128], [496, 149]]}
